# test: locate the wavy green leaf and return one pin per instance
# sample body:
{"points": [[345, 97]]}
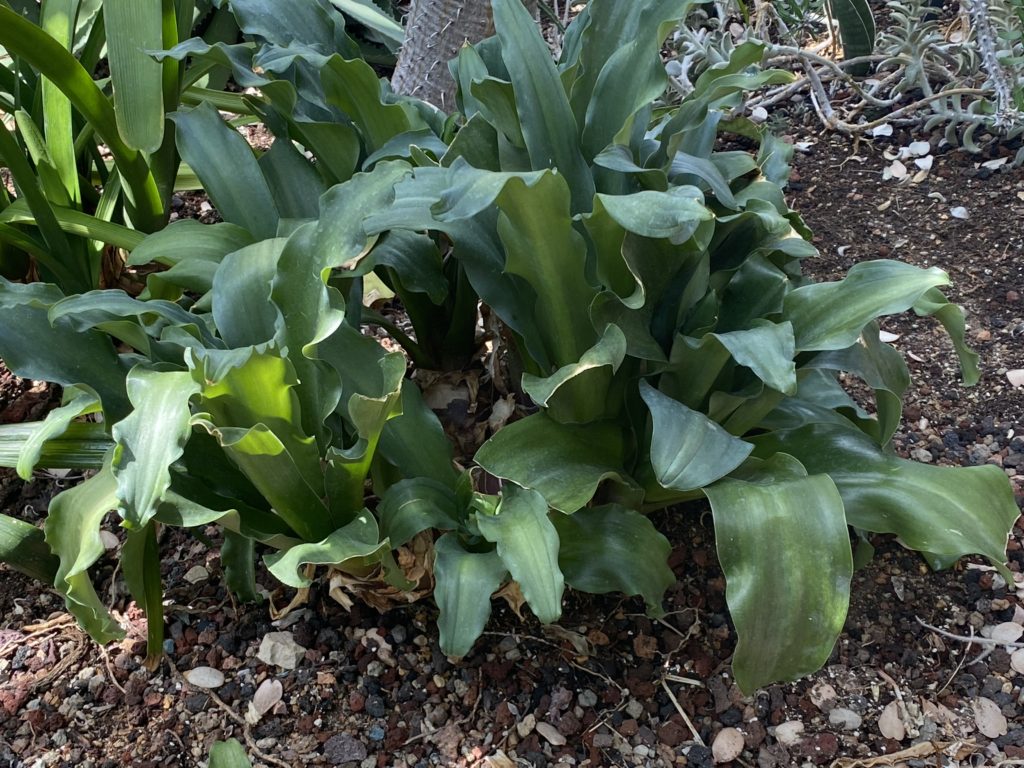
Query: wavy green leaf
{"points": [[73, 533], [564, 462], [943, 512], [598, 553], [463, 584], [527, 544], [832, 315], [142, 464], [23, 547], [688, 450], [359, 539], [785, 550]]}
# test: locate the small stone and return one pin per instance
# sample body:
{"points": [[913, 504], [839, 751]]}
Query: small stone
{"points": [[587, 698], [205, 677], [196, 574], [280, 649], [525, 726], [342, 748], [728, 745], [823, 696], [376, 733], [551, 734], [789, 732], [923, 455], [634, 708], [844, 718], [819, 748]]}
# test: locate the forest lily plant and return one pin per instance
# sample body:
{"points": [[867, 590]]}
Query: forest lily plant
{"points": [[648, 287]]}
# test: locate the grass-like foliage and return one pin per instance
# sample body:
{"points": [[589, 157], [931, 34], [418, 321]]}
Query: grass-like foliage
{"points": [[649, 288]]}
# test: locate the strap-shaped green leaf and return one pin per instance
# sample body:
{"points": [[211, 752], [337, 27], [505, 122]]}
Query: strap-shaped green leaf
{"points": [[82, 445], [24, 548], [856, 30], [54, 426], [832, 315], [371, 17], [599, 550], [359, 539], [527, 544], [135, 27], [935, 304], [34, 349], [238, 557], [463, 584], [415, 505], [190, 239], [943, 512], [73, 533], [785, 550], [549, 126], [564, 462], [688, 450], [142, 464], [228, 170]]}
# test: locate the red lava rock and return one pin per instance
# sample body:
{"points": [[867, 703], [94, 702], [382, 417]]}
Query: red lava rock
{"points": [[819, 748], [983, 335], [641, 689], [672, 733], [629, 727], [754, 733], [1013, 752], [503, 717], [645, 646], [1012, 296], [356, 701]]}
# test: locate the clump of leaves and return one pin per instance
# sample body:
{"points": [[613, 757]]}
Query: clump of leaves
{"points": [[650, 288]]}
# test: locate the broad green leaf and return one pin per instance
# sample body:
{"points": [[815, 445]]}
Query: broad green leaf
{"points": [[140, 564], [34, 349], [358, 539], [688, 450], [527, 544], [189, 239], [943, 512], [673, 214], [228, 170], [293, 181], [142, 464], [685, 169], [82, 445], [24, 548], [622, 70], [785, 550], [415, 505], [831, 315], [53, 426], [463, 584], [565, 463], [577, 393], [934, 304], [415, 442], [133, 29], [600, 551], [355, 89], [228, 754], [73, 533], [549, 127], [242, 309], [371, 17]]}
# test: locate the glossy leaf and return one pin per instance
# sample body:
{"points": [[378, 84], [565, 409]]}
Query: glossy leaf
{"points": [[358, 539], [415, 505], [688, 450], [463, 584], [142, 464], [140, 563], [82, 445], [785, 550], [53, 426], [23, 547], [228, 754], [598, 548], [564, 462], [941, 511], [133, 29], [73, 533], [527, 544], [831, 315]]}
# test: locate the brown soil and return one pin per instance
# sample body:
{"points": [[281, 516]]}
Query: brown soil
{"points": [[610, 686]]}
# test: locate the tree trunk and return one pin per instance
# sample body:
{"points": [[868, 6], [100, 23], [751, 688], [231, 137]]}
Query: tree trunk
{"points": [[435, 30]]}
